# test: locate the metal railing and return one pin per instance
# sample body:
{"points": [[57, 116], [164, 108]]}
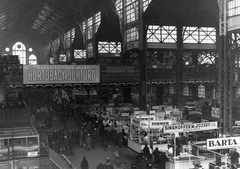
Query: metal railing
{"points": [[58, 159]]}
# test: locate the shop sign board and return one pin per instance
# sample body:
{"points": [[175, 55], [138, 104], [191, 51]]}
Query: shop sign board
{"points": [[159, 124], [139, 112], [32, 154], [135, 122], [136, 108], [61, 74], [190, 127], [144, 124], [236, 124], [146, 117], [152, 111], [126, 108], [223, 143], [121, 73]]}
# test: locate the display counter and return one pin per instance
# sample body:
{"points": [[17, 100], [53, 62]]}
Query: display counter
{"points": [[138, 147], [188, 162]]}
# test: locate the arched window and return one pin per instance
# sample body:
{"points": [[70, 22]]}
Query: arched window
{"points": [[32, 60], [20, 50]]}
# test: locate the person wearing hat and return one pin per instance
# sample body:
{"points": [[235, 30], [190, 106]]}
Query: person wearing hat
{"points": [[108, 164], [100, 165], [88, 141]]}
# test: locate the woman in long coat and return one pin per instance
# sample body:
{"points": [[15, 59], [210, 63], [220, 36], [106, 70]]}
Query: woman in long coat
{"points": [[88, 142], [84, 163], [156, 156], [163, 159]]}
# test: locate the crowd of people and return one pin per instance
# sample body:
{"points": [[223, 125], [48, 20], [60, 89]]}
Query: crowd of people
{"points": [[89, 131]]}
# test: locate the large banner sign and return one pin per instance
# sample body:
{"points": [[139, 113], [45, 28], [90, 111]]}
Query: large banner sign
{"points": [[116, 74], [60, 74], [223, 143], [190, 127]]}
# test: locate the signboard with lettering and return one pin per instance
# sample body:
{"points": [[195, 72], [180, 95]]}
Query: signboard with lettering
{"points": [[32, 154], [11, 74], [139, 112], [236, 124], [135, 122], [146, 117], [60, 74], [223, 143], [152, 111], [116, 74], [144, 124], [190, 127], [159, 124]]}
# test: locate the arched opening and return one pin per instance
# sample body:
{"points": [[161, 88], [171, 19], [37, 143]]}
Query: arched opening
{"points": [[20, 50], [32, 60]]}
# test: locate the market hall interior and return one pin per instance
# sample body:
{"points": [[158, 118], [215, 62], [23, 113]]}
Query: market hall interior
{"points": [[163, 73]]}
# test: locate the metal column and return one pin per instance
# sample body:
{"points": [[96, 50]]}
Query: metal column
{"points": [[225, 72], [179, 65], [142, 59]]}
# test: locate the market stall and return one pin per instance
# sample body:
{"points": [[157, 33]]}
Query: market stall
{"points": [[146, 130], [188, 157]]}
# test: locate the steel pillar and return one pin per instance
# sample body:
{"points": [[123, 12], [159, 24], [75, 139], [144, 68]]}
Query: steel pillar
{"points": [[225, 72], [179, 66], [143, 59]]}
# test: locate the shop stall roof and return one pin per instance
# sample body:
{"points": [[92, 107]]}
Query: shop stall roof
{"points": [[18, 132]]}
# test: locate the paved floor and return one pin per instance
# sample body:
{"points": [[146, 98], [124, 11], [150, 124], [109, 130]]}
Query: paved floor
{"points": [[97, 155]]}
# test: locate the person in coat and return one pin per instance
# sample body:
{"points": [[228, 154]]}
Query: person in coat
{"points": [[146, 152], [108, 164], [88, 141], [100, 165], [84, 163], [81, 137], [94, 139], [163, 159], [156, 157]]}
